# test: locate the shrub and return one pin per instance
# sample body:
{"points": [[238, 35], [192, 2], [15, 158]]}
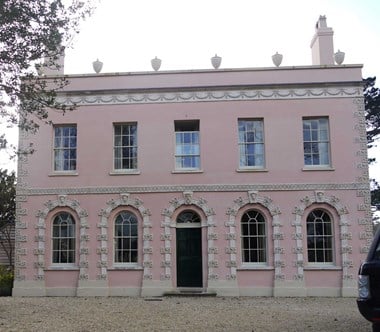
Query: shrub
{"points": [[6, 277]]}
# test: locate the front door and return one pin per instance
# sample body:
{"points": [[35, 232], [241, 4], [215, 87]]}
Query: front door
{"points": [[189, 257]]}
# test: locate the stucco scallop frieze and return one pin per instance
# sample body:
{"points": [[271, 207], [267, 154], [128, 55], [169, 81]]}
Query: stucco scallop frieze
{"points": [[213, 95]]}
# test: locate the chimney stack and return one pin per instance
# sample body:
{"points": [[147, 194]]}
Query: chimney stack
{"points": [[322, 46]]}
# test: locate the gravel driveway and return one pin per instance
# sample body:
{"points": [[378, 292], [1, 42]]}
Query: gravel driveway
{"points": [[181, 314]]}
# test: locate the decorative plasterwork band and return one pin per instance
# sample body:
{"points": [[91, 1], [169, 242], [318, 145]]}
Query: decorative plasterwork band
{"points": [[41, 225], [200, 187], [168, 234], [105, 223], [319, 197], [211, 95], [254, 199]]}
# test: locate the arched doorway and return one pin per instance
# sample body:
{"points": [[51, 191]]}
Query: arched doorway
{"points": [[189, 250]]}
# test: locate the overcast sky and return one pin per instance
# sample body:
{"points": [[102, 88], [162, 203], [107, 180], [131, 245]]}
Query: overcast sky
{"points": [[126, 34]]}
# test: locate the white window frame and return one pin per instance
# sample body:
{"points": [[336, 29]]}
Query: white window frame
{"points": [[329, 236], [60, 238], [127, 264], [317, 139], [264, 248], [60, 149], [244, 144], [120, 148], [178, 156]]}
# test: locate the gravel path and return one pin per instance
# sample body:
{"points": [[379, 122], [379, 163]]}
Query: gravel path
{"points": [[181, 314]]}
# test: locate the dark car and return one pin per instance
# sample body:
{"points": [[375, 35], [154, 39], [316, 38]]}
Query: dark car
{"points": [[369, 284]]}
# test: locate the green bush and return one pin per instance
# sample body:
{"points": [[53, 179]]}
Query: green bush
{"points": [[6, 277]]}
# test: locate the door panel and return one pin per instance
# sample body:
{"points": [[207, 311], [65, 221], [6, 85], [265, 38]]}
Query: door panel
{"points": [[189, 257]]}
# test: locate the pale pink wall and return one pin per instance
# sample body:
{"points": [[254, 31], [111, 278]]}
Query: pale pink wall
{"points": [[219, 162], [219, 202], [218, 139], [220, 78]]}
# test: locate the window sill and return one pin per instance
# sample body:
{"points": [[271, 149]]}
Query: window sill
{"points": [[255, 267], [62, 268], [125, 267], [248, 170], [125, 172], [322, 267], [318, 168], [68, 173], [182, 171]]}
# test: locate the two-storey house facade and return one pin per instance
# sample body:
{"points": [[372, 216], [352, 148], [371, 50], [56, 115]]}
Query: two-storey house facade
{"points": [[241, 182]]}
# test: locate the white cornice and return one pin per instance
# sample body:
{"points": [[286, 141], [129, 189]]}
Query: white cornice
{"points": [[213, 95]]}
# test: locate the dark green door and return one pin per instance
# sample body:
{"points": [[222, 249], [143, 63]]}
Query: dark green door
{"points": [[189, 257]]}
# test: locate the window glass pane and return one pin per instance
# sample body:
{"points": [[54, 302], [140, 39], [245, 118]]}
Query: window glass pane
{"points": [[319, 237], [316, 141], [125, 146], [65, 142], [126, 239], [63, 235], [251, 147], [253, 231]]}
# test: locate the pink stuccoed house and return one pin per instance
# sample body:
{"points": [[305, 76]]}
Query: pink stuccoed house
{"points": [[234, 182]]}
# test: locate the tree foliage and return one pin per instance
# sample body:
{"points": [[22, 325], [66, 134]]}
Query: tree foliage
{"points": [[34, 33], [7, 212], [372, 110], [372, 117]]}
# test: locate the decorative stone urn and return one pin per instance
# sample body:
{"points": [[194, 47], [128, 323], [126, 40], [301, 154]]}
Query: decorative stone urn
{"points": [[277, 59], [216, 61], [339, 57], [156, 63], [97, 65]]}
